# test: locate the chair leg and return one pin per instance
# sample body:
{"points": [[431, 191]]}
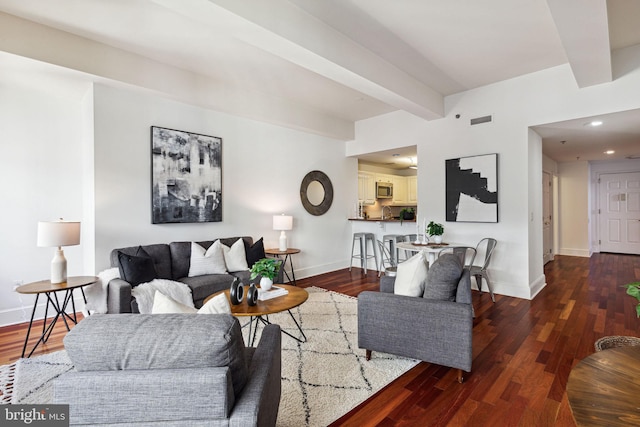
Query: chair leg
{"points": [[368, 354], [353, 245], [486, 278], [460, 377], [365, 258]]}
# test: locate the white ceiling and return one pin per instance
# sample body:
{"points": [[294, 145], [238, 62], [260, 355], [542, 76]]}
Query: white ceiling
{"points": [[347, 60]]}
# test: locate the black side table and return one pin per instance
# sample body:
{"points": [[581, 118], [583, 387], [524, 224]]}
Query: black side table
{"points": [[287, 256]]}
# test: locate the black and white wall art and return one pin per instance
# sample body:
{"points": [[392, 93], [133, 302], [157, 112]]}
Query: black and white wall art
{"points": [[472, 189], [186, 175]]}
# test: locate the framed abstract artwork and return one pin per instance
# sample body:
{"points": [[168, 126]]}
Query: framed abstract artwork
{"points": [[186, 177], [472, 189]]}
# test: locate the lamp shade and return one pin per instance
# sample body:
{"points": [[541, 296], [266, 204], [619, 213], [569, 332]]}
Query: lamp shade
{"points": [[282, 222], [58, 233]]}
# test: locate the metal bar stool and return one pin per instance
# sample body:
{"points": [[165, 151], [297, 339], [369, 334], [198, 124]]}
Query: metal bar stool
{"points": [[363, 256], [392, 239]]}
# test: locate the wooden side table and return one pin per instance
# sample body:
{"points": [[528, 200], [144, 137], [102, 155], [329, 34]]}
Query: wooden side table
{"points": [[287, 256], [50, 289]]}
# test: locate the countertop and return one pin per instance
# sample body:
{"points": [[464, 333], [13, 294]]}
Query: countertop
{"points": [[378, 219]]}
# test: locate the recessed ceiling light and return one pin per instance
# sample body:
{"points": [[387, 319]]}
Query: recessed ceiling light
{"points": [[594, 123], [609, 152], [395, 154]]}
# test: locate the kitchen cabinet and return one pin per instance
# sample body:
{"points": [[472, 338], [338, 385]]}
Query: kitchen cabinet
{"points": [[399, 190], [412, 190], [366, 187]]}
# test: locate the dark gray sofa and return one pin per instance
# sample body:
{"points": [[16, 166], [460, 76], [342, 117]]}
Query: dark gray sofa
{"points": [[170, 370], [431, 330], [172, 262]]}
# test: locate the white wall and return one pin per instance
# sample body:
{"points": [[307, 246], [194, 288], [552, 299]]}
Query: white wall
{"points": [[573, 221], [544, 97], [89, 159], [263, 166], [41, 174]]}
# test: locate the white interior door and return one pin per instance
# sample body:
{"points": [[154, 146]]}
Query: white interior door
{"points": [[619, 226], [547, 218]]}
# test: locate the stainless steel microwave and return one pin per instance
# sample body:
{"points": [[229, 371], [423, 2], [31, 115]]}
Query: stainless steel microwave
{"points": [[384, 190]]}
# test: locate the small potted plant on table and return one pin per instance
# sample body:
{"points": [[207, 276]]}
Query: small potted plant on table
{"points": [[267, 269], [436, 231]]}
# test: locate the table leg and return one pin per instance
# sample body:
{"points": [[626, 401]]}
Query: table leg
{"points": [[293, 272], [432, 258], [33, 312], [266, 321]]}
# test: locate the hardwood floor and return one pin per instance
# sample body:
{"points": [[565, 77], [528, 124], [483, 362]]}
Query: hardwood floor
{"points": [[523, 350]]}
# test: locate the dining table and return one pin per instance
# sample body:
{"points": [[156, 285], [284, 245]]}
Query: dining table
{"points": [[430, 248]]}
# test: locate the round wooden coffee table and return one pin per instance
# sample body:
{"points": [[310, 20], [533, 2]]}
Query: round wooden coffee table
{"points": [[261, 311]]}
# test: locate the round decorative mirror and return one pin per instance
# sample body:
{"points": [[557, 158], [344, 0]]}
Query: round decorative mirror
{"points": [[316, 193]]}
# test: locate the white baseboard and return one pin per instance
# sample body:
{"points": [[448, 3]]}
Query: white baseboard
{"points": [[574, 252], [17, 315]]}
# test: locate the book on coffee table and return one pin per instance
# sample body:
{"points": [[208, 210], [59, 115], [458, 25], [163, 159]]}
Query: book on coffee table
{"points": [[274, 292]]}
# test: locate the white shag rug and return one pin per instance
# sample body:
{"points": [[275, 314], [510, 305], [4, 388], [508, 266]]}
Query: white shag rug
{"points": [[322, 379]]}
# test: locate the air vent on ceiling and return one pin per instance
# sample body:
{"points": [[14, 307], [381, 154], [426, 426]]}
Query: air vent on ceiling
{"points": [[479, 120]]}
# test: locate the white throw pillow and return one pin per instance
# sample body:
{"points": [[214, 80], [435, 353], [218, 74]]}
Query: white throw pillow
{"points": [[163, 304], [210, 261], [411, 276], [216, 305], [235, 257]]}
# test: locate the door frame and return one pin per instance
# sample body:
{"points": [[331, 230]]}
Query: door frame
{"points": [[596, 169]]}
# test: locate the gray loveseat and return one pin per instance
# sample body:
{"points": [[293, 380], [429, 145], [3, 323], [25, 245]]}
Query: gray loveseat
{"points": [[170, 370], [434, 331], [171, 261]]}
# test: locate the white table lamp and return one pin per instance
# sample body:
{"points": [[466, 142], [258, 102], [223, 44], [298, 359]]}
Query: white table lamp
{"points": [[282, 222], [58, 234]]}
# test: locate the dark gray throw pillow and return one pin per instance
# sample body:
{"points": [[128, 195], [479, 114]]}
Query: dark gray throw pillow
{"points": [[443, 278], [137, 268], [254, 252]]}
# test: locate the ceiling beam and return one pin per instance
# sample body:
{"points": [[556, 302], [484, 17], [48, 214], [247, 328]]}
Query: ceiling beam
{"points": [[107, 64], [283, 29], [584, 31]]}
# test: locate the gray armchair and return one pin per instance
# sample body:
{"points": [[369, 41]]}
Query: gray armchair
{"points": [[435, 331], [170, 369]]}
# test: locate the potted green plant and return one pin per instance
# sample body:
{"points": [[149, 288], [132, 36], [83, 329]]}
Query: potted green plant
{"points": [[407, 214], [436, 231], [633, 289], [267, 269]]}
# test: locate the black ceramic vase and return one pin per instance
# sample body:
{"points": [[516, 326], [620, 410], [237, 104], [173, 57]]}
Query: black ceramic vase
{"points": [[236, 294], [252, 295]]}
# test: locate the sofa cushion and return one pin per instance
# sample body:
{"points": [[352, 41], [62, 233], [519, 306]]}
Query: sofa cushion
{"points": [[181, 253], [235, 257], [110, 342], [411, 276], [203, 286], [254, 252], [206, 261], [443, 278], [159, 253], [138, 268]]}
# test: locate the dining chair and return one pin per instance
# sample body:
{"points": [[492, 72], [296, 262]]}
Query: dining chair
{"points": [[480, 271], [385, 259], [465, 254]]}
